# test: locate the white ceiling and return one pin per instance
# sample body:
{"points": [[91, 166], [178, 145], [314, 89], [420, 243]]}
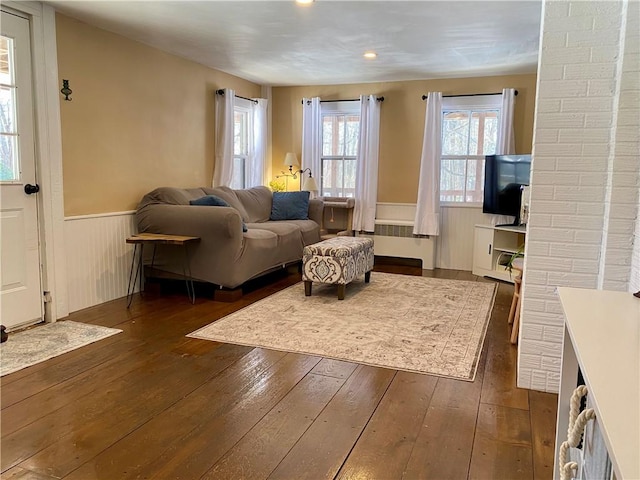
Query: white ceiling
{"points": [[282, 43]]}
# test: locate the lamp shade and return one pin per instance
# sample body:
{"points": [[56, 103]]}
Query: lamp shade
{"points": [[310, 184], [290, 160]]}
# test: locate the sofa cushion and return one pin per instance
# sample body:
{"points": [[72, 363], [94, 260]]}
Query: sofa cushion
{"points": [[213, 201], [257, 203], [229, 196], [290, 206]]}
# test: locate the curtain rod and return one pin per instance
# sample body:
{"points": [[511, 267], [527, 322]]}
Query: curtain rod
{"points": [[380, 99], [424, 97], [221, 92]]}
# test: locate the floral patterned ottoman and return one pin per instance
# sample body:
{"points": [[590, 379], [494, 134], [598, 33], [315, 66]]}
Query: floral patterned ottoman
{"points": [[337, 261]]}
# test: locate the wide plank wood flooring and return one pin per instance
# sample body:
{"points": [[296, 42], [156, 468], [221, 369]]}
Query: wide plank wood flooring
{"points": [[151, 403]]}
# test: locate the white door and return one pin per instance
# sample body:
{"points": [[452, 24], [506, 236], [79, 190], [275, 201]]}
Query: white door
{"points": [[20, 286]]}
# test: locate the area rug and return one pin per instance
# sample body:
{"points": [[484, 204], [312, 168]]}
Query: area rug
{"points": [[402, 322], [43, 342]]}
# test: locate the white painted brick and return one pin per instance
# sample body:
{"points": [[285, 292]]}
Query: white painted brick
{"points": [[579, 280], [553, 382], [524, 378], [608, 24], [535, 276], [624, 195], [574, 251], [546, 135], [557, 235], [583, 222], [558, 178], [596, 149], [556, 9], [628, 118], [600, 88], [543, 319], [591, 267], [559, 149], [554, 307], [624, 213], [597, 120], [631, 64], [587, 208], [630, 131], [555, 264], [616, 285], [589, 71], [591, 179], [603, 54], [627, 149], [550, 363], [594, 8], [530, 361], [534, 305], [548, 105], [590, 135], [628, 82], [539, 380], [542, 192], [553, 334], [533, 332], [589, 38], [537, 248], [619, 258], [567, 24], [626, 180], [626, 164], [577, 194], [621, 225], [580, 164], [586, 104], [551, 72], [540, 163], [565, 88], [616, 241], [552, 207], [539, 220], [589, 237]]}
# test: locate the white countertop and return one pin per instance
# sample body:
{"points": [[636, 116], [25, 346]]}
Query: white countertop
{"points": [[604, 327]]}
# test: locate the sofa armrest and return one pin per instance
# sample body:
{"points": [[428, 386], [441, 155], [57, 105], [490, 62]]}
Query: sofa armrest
{"points": [[215, 223], [316, 210]]}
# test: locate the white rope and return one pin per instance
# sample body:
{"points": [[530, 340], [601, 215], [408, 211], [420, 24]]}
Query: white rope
{"points": [[577, 422]]}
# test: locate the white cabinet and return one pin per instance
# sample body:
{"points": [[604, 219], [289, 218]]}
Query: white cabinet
{"points": [[493, 247]]}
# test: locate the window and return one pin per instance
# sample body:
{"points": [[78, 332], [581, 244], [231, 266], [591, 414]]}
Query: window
{"points": [[9, 164], [242, 128], [469, 132], [340, 128]]}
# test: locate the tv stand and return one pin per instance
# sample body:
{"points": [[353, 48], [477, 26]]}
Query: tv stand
{"points": [[493, 246]]}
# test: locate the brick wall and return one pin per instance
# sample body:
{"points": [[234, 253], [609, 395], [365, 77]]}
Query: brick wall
{"points": [[584, 185]]}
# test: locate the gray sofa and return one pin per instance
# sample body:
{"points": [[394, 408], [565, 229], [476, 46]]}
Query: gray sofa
{"points": [[226, 256]]}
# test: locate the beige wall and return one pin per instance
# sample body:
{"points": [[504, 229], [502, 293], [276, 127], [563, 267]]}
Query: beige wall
{"points": [[139, 119], [401, 122]]}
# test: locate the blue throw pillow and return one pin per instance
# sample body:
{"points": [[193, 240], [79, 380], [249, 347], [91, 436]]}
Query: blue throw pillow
{"points": [[290, 206], [213, 201]]}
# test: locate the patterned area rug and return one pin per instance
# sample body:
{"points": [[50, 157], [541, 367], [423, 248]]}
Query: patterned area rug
{"points": [[43, 342], [417, 324]]}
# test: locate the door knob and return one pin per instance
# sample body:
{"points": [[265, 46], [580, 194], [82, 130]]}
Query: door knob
{"points": [[30, 189]]}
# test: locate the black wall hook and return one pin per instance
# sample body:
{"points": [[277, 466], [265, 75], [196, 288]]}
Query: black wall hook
{"points": [[66, 91]]}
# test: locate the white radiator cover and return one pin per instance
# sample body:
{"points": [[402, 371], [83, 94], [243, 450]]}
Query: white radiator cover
{"points": [[98, 259]]}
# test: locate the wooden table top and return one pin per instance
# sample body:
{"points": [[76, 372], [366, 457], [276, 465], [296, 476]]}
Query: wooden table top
{"points": [[161, 238]]}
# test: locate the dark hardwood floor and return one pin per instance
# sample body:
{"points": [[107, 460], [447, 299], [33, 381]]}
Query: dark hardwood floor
{"points": [[152, 403]]}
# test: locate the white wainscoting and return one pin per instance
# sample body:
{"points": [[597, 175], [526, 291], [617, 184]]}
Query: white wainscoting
{"points": [[454, 246], [98, 259]]}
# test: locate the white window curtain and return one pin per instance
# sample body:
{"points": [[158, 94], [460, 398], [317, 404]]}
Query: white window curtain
{"points": [[257, 168], [223, 165], [311, 135], [506, 137], [427, 220], [506, 140], [366, 191]]}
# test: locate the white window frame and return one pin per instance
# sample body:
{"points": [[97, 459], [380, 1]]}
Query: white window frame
{"points": [[473, 103], [244, 107], [336, 108]]}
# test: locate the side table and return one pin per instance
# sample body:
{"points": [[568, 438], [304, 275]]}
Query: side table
{"points": [[155, 239]]}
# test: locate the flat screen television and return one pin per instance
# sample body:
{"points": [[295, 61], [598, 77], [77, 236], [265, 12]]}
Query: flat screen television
{"points": [[504, 176]]}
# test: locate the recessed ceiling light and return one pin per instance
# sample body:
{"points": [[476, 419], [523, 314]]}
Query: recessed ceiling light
{"points": [[304, 2], [370, 54]]}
